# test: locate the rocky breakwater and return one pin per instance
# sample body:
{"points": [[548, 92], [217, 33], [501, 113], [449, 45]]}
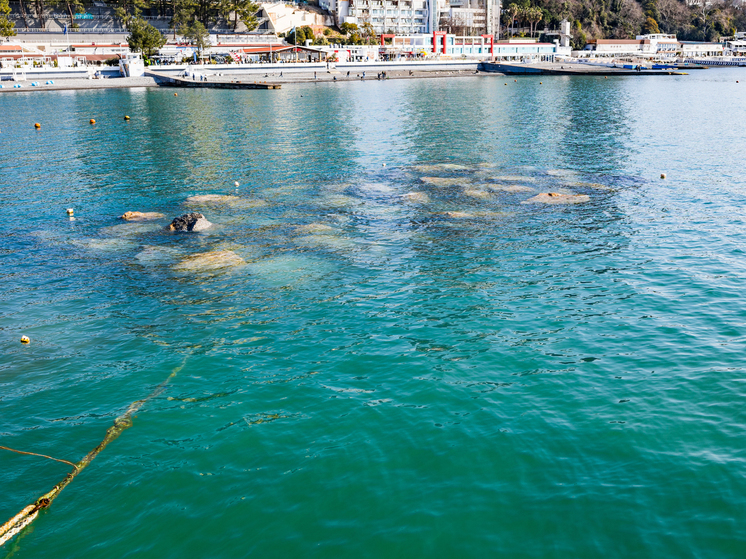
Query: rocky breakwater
{"points": [[192, 222]]}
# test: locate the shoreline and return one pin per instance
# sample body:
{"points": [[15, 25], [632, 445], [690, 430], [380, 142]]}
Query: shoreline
{"points": [[289, 78]]}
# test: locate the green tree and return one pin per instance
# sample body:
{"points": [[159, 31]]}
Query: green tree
{"points": [[197, 35], [368, 33], [296, 37], [144, 37], [6, 26], [309, 34], [348, 28], [72, 7], [183, 14], [241, 10]]}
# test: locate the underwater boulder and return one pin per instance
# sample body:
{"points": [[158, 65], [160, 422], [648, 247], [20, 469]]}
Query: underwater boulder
{"points": [[557, 198], [207, 261]]}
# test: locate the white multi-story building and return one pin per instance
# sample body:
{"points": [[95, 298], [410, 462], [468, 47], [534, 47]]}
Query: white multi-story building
{"points": [[400, 17], [477, 17], [407, 17]]}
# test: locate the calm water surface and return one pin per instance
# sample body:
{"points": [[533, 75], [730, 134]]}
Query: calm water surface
{"points": [[450, 374]]}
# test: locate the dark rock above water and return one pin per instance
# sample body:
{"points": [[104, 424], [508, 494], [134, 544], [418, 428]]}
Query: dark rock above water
{"points": [[190, 222]]}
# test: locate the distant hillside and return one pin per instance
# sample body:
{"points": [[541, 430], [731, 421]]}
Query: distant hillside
{"points": [[701, 20]]}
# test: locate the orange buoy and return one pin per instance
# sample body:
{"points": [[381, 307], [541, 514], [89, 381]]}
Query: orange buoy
{"points": [[176, 94], [37, 125], [663, 175], [540, 83], [92, 121], [126, 117]]}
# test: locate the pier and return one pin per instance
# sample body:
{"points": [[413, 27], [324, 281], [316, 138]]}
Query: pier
{"points": [[214, 82], [574, 69]]}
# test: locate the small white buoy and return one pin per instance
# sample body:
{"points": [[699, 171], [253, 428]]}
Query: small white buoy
{"points": [[663, 175], [25, 340], [383, 165], [70, 212], [235, 183]]}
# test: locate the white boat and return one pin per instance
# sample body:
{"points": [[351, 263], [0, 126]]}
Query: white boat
{"points": [[132, 65]]}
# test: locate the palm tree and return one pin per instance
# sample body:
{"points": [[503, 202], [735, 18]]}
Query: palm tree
{"points": [[523, 15], [512, 12], [535, 15]]}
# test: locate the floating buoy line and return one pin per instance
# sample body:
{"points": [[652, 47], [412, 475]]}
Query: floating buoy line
{"points": [[30, 512]]}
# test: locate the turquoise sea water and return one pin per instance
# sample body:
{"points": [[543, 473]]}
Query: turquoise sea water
{"points": [[454, 374]]}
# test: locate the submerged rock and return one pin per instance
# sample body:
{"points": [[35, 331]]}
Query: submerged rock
{"points": [[153, 255], [513, 178], [190, 222], [206, 261], [130, 229], [224, 200], [441, 167], [458, 215], [416, 197], [107, 245], [141, 216], [212, 199], [443, 181], [474, 193], [315, 228], [557, 198], [510, 188]]}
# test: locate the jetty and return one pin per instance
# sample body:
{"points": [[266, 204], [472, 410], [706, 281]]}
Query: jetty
{"points": [[575, 69], [214, 82]]}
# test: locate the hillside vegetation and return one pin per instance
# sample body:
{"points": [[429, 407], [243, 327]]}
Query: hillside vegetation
{"points": [[623, 19]]}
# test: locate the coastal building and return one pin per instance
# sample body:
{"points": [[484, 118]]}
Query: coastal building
{"points": [[471, 17], [657, 44], [446, 45], [400, 17], [279, 17], [691, 49]]}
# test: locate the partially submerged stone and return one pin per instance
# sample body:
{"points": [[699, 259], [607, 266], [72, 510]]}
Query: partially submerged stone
{"points": [[557, 198], [443, 181], [190, 222], [207, 261], [141, 216]]}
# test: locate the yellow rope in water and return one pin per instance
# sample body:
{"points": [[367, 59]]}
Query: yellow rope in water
{"points": [[35, 454], [29, 513]]}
